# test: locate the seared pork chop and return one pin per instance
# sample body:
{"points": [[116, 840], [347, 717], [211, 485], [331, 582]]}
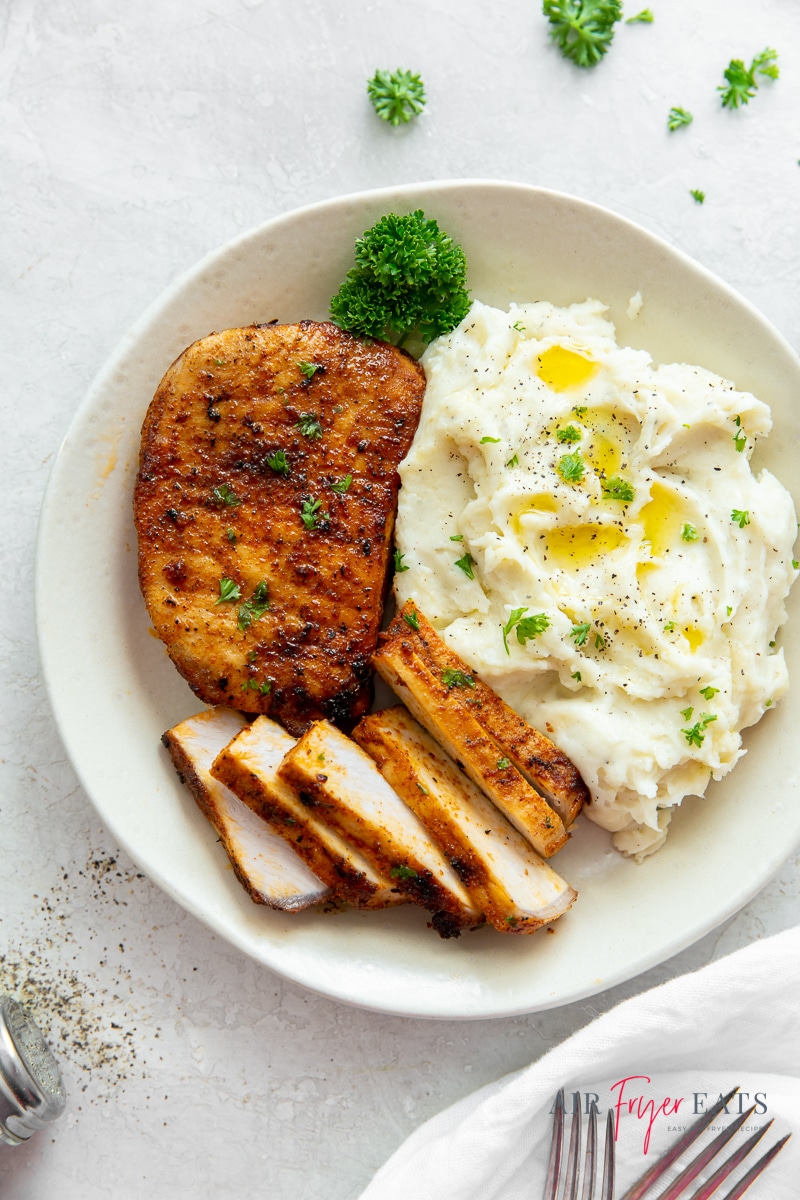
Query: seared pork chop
{"points": [[264, 508]]}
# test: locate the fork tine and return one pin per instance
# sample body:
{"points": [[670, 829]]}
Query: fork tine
{"points": [[609, 1164], [556, 1142], [573, 1157], [590, 1161], [744, 1183], [692, 1169], [729, 1165], [654, 1173]]}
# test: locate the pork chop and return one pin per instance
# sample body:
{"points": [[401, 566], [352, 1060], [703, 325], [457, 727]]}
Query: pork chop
{"points": [[264, 507]]}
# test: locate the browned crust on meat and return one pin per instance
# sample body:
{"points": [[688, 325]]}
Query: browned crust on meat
{"points": [[452, 718], [223, 409], [538, 758]]}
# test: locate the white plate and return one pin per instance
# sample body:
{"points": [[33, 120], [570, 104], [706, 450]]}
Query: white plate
{"points": [[114, 690]]}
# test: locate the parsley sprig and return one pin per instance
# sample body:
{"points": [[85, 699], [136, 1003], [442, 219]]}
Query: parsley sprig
{"points": [[678, 118], [526, 627], [254, 608], [741, 82], [582, 29], [396, 96], [409, 277]]}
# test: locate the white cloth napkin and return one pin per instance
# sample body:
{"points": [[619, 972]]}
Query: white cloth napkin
{"points": [[736, 1021]]}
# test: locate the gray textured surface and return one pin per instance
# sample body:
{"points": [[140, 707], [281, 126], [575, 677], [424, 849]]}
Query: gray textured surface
{"points": [[135, 138]]}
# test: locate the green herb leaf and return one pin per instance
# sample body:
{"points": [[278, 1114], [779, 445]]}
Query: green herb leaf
{"points": [[617, 488], [503, 764], [708, 693], [228, 591], [740, 440], [309, 369], [645, 17], [695, 736], [403, 872], [409, 277], [526, 627], [311, 514], [571, 467], [580, 633], [484, 440], [741, 82], [278, 463], [252, 685], [411, 619], [520, 328], [698, 196], [570, 434], [465, 564], [231, 535], [740, 517], [677, 118], [576, 675], [309, 425], [513, 461], [254, 608], [452, 678], [224, 496], [340, 486], [456, 537], [599, 641], [399, 565], [396, 96], [689, 532], [582, 29]]}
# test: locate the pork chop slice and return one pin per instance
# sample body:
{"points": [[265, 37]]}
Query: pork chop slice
{"points": [[264, 508]]}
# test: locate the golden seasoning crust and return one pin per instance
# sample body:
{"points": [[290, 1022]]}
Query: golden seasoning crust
{"points": [[209, 507], [327, 856], [542, 763], [450, 715]]}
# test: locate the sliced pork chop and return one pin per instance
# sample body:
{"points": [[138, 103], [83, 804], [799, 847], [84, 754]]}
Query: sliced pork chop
{"points": [[264, 508], [510, 883], [249, 765], [265, 865]]}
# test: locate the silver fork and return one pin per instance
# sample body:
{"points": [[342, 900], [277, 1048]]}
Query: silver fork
{"points": [[591, 1162], [681, 1184]]}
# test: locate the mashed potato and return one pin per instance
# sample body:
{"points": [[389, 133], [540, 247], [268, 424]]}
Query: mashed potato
{"points": [[585, 530]]}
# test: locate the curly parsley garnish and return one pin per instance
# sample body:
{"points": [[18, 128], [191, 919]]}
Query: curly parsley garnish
{"points": [[695, 735], [452, 678], [309, 369], [571, 467], [340, 486], [309, 425], [278, 462], [740, 517], [466, 563], [229, 591], [708, 693], [741, 82], [689, 532], [570, 434], [396, 96], [224, 496], [697, 195], [617, 488], [254, 608], [678, 118], [582, 29], [526, 627], [310, 513], [579, 633]]}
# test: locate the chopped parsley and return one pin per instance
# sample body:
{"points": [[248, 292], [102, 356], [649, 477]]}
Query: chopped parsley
{"points": [[229, 591], [526, 627], [599, 641], [677, 118], [397, 96], [741, 82], [695, 736], [513, 461], [456, 537], [571, 467], [689, 532], [617, 488], [740, 517], [309, 425], [576, 675], [645, 17], [669, 626], [254, 608], [708, 693], [452, 678], [579, 409], [224, 496], [340, 486], [309, 369], [252, 685], [278, 462], [465, 564], [399, 565], [582, 29], [686, 713], [503, 764], [697, 195], [310, 513], [411, 619], [484, 440], [403, 872], [231, 535], [520, 328], [740, 437], [570, 434], [580, 633]]}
